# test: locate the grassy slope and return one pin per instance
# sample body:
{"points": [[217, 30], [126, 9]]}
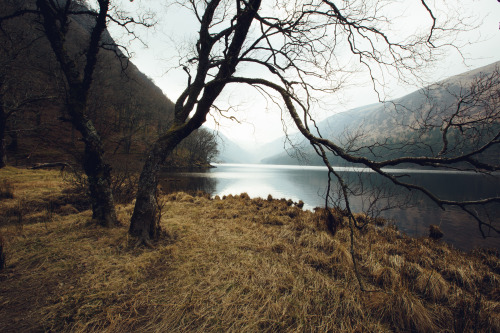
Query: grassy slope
{"points": [[226, 265]]}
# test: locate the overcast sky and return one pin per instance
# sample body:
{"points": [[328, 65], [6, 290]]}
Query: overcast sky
{"points": [[260, 122]]}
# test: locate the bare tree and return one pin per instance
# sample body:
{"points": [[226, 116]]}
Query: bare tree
{"points": [[9, 108], [212, 74], [57, 19], [297, 53]]}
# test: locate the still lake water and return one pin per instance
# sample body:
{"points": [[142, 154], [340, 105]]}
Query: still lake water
{"points": [[308, 183]]}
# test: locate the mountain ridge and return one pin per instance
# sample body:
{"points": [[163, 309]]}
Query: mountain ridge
{"points": [[372, 122]]}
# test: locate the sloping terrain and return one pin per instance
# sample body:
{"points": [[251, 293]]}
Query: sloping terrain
{"points": [[394, 123], [125, 105]]}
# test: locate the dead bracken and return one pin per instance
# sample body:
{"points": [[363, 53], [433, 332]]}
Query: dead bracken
{"points": [[236, 264]]}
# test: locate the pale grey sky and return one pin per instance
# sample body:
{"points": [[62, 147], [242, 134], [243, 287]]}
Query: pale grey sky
{"points": [[260, 121]]}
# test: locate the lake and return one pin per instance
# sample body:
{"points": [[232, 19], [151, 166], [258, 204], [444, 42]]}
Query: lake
{"points": [[308, 183]]}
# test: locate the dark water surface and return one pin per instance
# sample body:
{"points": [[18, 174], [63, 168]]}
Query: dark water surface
{"points": [[308, 183]]}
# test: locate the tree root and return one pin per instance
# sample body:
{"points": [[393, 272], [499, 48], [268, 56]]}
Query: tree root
{"points": [[143, 241]]}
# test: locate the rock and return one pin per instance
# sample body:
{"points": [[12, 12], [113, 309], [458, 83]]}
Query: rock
{"points": [[435, 232]]}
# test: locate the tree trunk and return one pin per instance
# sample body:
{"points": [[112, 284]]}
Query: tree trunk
{"points": [[97, 170], [13, 146], [99, 177], [2, 254], [145, 222], [3, 145]]}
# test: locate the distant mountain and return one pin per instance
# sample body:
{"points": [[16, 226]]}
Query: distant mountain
{"points": [[388, 122], [231, 152]]}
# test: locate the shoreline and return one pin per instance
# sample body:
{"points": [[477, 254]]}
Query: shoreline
{"points": [[236, 264]]}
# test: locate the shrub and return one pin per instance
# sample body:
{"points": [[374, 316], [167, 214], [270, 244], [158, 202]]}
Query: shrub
{"points": [[123, 184]]}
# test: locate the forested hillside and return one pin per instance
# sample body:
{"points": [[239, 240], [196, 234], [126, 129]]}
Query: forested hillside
{"points": [[125, 105]]}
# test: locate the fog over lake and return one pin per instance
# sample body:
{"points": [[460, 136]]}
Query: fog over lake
{"points": [[309, 183]]}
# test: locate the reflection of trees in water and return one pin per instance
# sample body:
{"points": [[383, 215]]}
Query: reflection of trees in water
{"points": [[176, 183]]}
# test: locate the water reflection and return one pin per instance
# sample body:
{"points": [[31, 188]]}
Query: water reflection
{"points": [[176, 182], [309, 185]]}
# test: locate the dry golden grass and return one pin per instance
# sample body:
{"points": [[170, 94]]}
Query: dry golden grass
{"points": [[235, 265]]}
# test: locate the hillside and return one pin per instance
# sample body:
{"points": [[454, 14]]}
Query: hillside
{"points": [[126, 107], [395, 123]]}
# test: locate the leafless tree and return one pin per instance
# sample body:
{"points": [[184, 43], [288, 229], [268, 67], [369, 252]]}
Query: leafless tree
{"points": [[296, 53], [218, 54], [57, 19]]}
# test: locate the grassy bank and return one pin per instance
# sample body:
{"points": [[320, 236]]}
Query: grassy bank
{"points": [[235, 264]]}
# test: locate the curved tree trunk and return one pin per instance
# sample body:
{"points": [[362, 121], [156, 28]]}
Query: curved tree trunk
{"points": [[145, 222]]}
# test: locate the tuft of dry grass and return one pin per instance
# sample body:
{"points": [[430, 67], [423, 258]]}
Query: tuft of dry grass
{"points": [[432, 285], [403, 310], [234, 264], [386, 277], [435, 232]]}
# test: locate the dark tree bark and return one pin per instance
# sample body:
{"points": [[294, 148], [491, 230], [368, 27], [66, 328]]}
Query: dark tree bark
{"points": [[56, 23], [2, 255], [145, 222], [3, 145], [4, 115], [199, 96]]}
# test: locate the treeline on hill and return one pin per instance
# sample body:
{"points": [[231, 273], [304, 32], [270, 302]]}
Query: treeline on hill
{"points": [[126, 107]]}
